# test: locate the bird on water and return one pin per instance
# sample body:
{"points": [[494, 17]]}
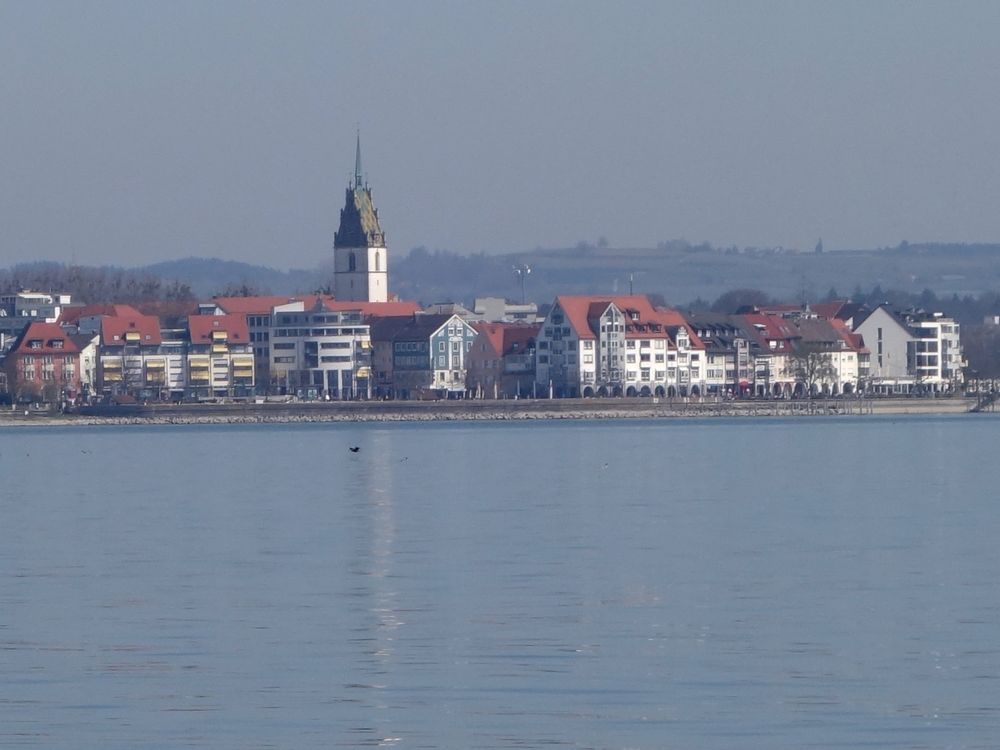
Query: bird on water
{"points": [[354, 448]]}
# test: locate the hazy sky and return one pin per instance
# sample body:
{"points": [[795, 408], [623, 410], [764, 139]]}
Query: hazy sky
{"points": [[140, 131]]}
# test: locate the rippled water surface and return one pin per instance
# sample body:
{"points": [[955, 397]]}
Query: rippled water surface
{"points": [[685, 584]]}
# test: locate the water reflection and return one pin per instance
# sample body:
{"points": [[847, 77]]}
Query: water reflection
{"points": [[374, 593]]}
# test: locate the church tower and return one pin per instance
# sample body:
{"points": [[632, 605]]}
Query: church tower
{"points": [[360, 258]]}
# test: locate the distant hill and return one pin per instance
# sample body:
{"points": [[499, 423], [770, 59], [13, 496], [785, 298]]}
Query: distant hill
{"points": [[677, 271], [682, 272]]}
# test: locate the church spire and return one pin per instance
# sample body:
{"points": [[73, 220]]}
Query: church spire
{"points": [[358, 179]]}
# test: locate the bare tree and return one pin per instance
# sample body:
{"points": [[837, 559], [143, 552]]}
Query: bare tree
{"points": [[810, 364]]}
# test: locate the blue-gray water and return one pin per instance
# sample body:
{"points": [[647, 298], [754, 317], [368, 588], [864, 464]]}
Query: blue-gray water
{"points": [[682, 584]]}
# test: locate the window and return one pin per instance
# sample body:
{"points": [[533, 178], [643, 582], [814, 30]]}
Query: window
{"points": [[441, 360], [440, 346]]}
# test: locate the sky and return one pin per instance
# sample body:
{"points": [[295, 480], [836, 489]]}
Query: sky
{"points": [[134, 132]]}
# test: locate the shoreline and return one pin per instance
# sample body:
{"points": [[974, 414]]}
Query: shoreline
{"points": [[474, 410]]}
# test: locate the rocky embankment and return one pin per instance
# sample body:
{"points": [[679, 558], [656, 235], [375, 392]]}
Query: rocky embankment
{"points": [[524, 409]]}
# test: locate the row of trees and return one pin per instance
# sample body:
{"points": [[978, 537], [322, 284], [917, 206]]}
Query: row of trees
{"points": [[93, 285]]}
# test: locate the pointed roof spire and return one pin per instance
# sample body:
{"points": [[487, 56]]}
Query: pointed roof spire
{"points": [[358, 179]]}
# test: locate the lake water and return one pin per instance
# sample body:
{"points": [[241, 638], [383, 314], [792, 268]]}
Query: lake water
{"points": [[779, 584]]}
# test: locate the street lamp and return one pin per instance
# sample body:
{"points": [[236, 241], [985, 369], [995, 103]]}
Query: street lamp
{"points": [[522, 270]]}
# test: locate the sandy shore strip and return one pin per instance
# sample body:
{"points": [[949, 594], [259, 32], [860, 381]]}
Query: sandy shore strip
{"points": [[508, 410]]}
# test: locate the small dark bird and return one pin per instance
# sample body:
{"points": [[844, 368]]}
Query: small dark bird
{"points": [[354, 448]]}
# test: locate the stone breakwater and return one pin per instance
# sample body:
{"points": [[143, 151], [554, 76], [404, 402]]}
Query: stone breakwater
{"points": [[510, 410]]}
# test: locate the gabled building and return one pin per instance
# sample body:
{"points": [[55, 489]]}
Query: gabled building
{"points": [[501, 363], [824, 359], [43, 365], [730, 351], [360, 255], [614, 346], [129, 359], [220, 359], [911, 351], [19, 309], [421, 356]]}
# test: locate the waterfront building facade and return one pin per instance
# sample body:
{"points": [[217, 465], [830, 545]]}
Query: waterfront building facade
{"points": [[501, 363], [129, 358], [43, 365], [219, 361], [911, 351], [617, 346], [421, 356]]}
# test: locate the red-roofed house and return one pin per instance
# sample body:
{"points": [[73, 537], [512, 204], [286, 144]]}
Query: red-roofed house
{"points": [[86, 319], [617, 345], [220, 359], [130, 360], [501, 363], [43, 365]]}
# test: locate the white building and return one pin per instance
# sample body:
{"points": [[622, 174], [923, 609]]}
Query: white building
{"points": [[323, 349], [911, 350], [616, 346]]}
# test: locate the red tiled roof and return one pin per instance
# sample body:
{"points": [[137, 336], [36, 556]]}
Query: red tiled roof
{"points": [[829, 310], [505, 337], [518, 336], [201, 328], [373, 309], [641, 317], [113, 329], [46, 333], [492, 332], [854, 340], [72, 315]]}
